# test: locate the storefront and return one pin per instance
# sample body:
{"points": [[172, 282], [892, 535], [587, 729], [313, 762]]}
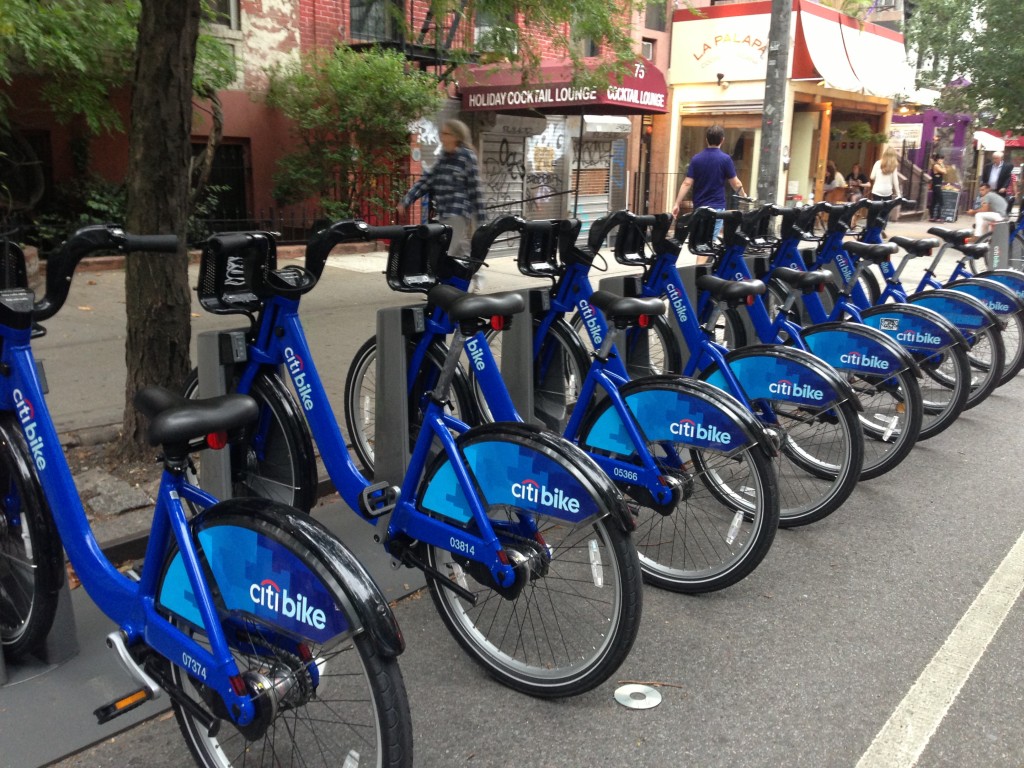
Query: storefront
{"points": [[550, 148], [842, 76]]}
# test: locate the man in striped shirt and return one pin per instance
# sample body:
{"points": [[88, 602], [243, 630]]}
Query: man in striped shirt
{"points": [[453, 183]]}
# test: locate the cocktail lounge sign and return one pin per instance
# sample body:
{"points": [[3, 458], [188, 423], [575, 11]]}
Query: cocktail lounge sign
{"points": [[642, 90]]}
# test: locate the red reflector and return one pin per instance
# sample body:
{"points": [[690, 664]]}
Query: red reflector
{"points": [[238, 685], [503, 557], [644, 321], [216, 440], [304, 652], [820, 288], [498, 322], [750, 301]]}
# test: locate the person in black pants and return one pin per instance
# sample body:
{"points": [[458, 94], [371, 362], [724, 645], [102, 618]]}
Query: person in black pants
{"points": [[938, 171]]}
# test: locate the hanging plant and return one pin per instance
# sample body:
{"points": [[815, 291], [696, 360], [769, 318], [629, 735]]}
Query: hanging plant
{"points": [[862, 132]]}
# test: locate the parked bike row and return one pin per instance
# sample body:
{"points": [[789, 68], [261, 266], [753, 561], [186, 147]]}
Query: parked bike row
{"points": [[674, 419]]}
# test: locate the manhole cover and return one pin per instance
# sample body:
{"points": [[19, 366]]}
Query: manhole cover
{"points": [[637, 696]]}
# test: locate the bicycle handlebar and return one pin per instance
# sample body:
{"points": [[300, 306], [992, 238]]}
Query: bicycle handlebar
{"points": [[322, 242], [60, 267]]}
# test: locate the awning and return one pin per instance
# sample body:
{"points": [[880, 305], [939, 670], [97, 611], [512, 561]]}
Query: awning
{"points": [[989, 143], [551, 90], [822, 35], [850, 56], [606, 126]]}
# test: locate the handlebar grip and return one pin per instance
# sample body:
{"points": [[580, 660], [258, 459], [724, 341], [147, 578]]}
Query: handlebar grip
{"points": [[389, 232], [151, 243]]}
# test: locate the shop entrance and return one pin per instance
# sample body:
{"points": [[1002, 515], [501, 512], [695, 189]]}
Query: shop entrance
{"points": [[742, 134]]}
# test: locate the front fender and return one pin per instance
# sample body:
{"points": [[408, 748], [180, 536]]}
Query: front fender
{"points": [[860, 348]]}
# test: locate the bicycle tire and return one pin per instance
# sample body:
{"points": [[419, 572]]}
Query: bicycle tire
{"points": [[724, 522], [821, 458], [567, 631], [1013, 331], [359, 709], [283, 468], [361, 397], [985, 351], [892, 416], [31, 555], [654, 350]]}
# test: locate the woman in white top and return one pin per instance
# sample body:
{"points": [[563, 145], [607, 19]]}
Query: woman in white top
{"points": [[884, 180]]}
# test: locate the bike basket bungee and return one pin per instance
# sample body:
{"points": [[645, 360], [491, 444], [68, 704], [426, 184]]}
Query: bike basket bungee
{"points": [[233, 271]]}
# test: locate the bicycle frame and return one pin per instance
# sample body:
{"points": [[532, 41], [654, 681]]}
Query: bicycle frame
{"points": [[132, 605], [281, 341]]}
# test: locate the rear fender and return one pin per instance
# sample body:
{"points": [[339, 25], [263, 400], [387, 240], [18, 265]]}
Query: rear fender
{"points": [[774, 372], [965, 312], [998, 297], [527, 467], [859, 348], [914, 326], [679, 410], [316, 597]]}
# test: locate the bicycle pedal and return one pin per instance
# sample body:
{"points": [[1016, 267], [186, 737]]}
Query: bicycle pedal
{"points": [[378, 499], [121, 705]]}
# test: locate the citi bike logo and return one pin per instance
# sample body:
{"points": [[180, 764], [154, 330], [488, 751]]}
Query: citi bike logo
{"points": [[998, 306], [234, 275], [864, 361], [297, 369], [676, 300], [787, 388], [27, 416], [268, 595], [846, 267], [688, 428], [534, 492], [590, 321], [476, 354], [919, 337]]}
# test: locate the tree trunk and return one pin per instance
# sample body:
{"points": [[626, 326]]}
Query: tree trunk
{"points": [[156, 285]]}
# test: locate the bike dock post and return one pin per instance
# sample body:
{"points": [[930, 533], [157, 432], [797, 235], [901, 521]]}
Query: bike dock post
{"points": [[517, 353], [61, 643], [998, 256], [218, 353], [391, 437]]}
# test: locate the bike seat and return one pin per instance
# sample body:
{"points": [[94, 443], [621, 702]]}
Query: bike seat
{"points": [[915, 246], [176, 419], [952, 236], [877, 253], [798, 278], [972, 250], [466, 306], [616, 307], [730, 290]]}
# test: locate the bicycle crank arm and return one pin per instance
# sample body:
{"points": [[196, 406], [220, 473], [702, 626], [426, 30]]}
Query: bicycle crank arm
{"points": [[209, 721]]}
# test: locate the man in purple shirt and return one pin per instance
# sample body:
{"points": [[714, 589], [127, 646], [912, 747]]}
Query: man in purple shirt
{"points": [[707, 174]]}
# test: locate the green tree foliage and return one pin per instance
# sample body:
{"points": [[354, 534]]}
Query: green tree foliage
{"points": [[83, 48], [351, 114], [972, 53]]}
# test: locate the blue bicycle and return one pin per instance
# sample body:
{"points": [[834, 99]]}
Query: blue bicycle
{"points": [[694, 465], [524, 542], [883, 374], [809, 406], [272, 642]]}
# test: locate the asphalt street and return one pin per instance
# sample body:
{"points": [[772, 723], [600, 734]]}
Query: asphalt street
{"points": [[908, 595]]}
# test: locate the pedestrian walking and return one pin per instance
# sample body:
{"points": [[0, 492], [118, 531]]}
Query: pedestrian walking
{"points": [[708, 173]]}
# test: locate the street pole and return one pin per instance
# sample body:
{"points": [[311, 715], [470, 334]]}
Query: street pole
{"points": [[774, 101]]}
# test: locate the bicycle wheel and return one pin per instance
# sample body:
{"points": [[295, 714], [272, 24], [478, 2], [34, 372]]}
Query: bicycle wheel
{"points": [[576, 611], [891, 420], [723, 523], [337, 701], [361, 397], [275, 460], [654, 350], [985, 358], [821, 457], [31, 556]]}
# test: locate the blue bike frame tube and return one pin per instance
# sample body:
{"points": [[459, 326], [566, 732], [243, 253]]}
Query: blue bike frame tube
{"points": [[290, 349], [788, 255], [129, 604], [488, 373]]}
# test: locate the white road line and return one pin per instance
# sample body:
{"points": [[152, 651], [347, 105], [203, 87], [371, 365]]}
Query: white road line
{"points": [[907, 732]]}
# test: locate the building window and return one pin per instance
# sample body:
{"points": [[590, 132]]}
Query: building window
{"points": [[226, 12], [654, 15], [373, 20], [493, 32], [647, 49]]}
